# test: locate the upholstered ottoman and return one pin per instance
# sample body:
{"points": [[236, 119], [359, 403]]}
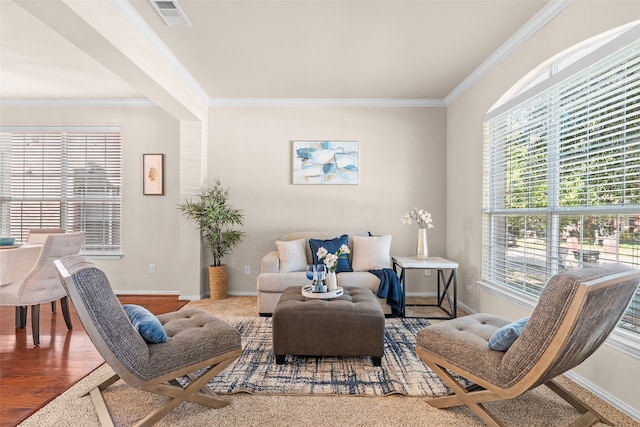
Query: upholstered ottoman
{"points": [[350, 325]]}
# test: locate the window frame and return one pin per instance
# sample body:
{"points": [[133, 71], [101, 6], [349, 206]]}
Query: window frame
{"points": [[623, 339], [91, 154]]}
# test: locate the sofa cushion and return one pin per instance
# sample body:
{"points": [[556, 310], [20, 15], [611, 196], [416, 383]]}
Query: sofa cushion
{"points": [[359, 279], [371, 253], [278, 282], [292, 255], [332, 246], [463, 342]]}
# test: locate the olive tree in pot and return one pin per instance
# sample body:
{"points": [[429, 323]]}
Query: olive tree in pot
{"points": [[217, 220]]}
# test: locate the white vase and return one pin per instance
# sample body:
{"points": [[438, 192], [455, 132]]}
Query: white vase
{"points": [[332, 281], [422, 251]]}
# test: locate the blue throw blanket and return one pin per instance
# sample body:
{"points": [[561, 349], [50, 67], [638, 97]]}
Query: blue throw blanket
{"points": [[390, 288]]}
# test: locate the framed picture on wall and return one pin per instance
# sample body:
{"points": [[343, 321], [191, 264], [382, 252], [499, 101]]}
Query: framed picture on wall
{"points": [[325, 162], [153, 174]]}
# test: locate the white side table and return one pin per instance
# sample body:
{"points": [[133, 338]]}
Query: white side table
{"points": [[447, 286]]}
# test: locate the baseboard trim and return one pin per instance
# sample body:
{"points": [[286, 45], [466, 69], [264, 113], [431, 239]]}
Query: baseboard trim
{"points": [[146, 293], [243, 293], [604, 395]]}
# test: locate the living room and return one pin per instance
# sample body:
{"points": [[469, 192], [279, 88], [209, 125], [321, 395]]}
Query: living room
{"points": [[426, 153]]}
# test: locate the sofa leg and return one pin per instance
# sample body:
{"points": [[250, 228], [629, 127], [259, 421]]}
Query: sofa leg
{"points": [[280, 359], [377, 361], [265, 314]]}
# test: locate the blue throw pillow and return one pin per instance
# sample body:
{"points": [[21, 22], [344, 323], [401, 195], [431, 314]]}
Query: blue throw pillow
{"points": [[332, 246], [145, 323], [502, 339]]}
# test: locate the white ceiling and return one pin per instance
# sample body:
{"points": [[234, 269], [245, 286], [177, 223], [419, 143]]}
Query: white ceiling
{"points": [[277, 49]]}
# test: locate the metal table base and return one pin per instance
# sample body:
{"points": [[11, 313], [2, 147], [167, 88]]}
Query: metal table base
{"points": [[447, 285]]}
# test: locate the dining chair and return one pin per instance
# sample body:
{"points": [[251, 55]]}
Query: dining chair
{"points": [[39, 235], [40, 283]]}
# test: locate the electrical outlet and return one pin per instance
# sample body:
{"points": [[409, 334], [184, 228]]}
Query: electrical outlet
{"points": [[427, 272], [152, 269], [247, 270]]}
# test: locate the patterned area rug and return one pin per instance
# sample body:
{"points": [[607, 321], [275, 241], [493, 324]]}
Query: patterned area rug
{"points": [[256, 372]]}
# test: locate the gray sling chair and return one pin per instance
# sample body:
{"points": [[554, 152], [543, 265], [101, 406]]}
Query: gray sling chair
{"points": [[196, 341], [576, 312]]}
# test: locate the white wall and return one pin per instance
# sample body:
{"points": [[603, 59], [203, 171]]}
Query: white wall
{"points": [[402, 165], [608, 369]]}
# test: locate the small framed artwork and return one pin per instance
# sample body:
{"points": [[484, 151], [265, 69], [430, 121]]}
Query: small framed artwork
{"points": [[325, 162], [153, 174]]}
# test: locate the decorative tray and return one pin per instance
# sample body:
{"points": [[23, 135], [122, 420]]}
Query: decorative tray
{"points": [[307, 291]]}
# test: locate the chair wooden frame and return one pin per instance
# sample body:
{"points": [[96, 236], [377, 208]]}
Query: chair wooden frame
{"points": [[482, 391], [195, 391]]}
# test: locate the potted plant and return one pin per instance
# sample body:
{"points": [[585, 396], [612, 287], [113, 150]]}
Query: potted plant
{"points": [[217, 220]]}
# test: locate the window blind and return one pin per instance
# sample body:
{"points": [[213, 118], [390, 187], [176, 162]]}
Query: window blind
{"points": [[69, 178], [562, 177]]}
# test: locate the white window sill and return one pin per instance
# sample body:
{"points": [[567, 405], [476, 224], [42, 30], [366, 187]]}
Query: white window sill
{"points": [[102, 254], [620, 339]]}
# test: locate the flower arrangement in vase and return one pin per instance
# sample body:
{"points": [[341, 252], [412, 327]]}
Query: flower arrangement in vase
{"points": [[424, 221], [331, 261]]}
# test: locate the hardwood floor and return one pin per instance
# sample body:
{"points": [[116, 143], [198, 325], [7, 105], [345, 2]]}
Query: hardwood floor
{"points": [[30, 377]]}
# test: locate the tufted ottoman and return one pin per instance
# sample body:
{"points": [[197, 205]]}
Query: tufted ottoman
{"points": [[350, 325]]}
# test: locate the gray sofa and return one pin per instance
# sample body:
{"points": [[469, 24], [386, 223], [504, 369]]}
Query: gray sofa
{"points": [[272, 282]]}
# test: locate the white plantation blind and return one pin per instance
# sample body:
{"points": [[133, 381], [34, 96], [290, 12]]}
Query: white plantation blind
{"points": [[562, 175], [69, 178]]}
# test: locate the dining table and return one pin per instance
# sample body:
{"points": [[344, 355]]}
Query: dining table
{"points": [[16, 261]]}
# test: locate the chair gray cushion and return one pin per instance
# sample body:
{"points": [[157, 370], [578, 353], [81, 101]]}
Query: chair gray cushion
{"points": [[463, 341], [194, 335]]}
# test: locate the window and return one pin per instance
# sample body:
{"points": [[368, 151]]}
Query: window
{"points": [[66, 178], [562, 174]]}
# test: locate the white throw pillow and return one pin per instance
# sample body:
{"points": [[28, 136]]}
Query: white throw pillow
{"points": [[292, 255], [371, 253]]}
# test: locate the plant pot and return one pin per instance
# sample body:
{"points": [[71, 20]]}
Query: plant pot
{"points": [[218, 282]]}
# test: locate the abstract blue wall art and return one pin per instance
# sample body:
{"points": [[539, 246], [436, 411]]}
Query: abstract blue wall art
{"points": [[325, 162]]}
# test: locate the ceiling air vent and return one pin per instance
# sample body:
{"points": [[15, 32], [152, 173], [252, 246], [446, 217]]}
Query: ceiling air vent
{"points": [[171, 13]]}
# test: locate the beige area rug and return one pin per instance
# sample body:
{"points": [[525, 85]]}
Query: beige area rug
{"points": [[256, 371], [539, 407]]}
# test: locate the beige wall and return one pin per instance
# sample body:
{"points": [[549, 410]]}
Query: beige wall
{"points": [[402, 165], [402, 160], [149, 223], [579, 21]]}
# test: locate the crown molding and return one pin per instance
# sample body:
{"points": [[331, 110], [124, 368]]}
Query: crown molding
{"points": [[542, 18], [76, 102], [327, 102], [233, 102]]}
